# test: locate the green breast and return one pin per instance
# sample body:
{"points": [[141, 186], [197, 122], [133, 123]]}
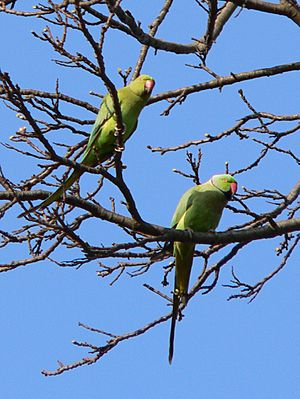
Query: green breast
{"points": [[205, 211]]}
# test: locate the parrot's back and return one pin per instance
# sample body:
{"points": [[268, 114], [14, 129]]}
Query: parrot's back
{"points": [[102, 141]]}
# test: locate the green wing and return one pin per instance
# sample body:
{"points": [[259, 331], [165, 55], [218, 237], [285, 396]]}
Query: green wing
{"points": [[184, 203], [106, 113]]}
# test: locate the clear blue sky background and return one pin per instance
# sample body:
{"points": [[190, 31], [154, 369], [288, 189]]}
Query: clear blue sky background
{"points": [[223, 349]]}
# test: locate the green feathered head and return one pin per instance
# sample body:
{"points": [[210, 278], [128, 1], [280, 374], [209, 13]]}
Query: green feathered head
{"points": [[225, 183], [142, 86]]}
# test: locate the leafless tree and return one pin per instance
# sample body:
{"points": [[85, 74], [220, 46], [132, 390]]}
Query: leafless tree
{"points": [[46, 113]]}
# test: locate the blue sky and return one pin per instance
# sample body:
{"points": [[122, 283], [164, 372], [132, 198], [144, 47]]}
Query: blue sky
{"points": [[223, 349]]}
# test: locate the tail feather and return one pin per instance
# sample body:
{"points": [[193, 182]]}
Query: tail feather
{"points": [[176, 300], [184, 253], [61, 190], [56, 195]]}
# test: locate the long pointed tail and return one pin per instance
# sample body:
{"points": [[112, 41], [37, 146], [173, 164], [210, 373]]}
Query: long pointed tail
{"points": [[61, 190], [176, 300]]}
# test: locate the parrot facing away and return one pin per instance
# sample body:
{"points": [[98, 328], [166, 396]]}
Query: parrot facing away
{"points": [[200, 210], [101, 144]]}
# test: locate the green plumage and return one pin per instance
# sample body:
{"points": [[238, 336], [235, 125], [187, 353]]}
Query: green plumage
{"points": [[200, 210], [132, 99]]}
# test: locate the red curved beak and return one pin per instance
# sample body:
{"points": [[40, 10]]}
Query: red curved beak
{"points": [[149, 84], [233, 188]]}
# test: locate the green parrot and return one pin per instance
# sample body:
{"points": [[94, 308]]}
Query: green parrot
{"points": [[199, 210], [102, 140]]}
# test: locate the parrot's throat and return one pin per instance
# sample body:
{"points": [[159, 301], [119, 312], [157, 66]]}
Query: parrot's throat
{"points": [[227, 194], [142, 96]]}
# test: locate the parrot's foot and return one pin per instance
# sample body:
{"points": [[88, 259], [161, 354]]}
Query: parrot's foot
{"points": [[183, 298], [189, 231]]}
